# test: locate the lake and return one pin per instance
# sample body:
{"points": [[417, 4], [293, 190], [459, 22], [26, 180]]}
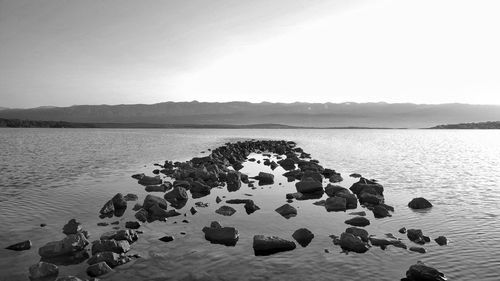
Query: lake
{"points": [[52, 175]]}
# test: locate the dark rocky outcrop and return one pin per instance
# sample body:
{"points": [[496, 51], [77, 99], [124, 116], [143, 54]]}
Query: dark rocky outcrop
{"points": [[167, 238], [133, 224], [110, 258], [217, 234], [268, 245], [379, 211], [422, 272], [72, 227], [233, 180], [120, 246], [418, 250], [359, 232], [287, 164], [265, 178], [335, 204], [368, 191], [21, 246], [309, 185], [71, 244], [303, 236], [419, 203], [417, 236]]}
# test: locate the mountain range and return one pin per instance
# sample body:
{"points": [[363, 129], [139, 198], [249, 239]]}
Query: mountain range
{"points": [[401, 115]]}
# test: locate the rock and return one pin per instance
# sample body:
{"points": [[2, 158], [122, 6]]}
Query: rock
{"points": [[359, 232], [98, 269], [374, 199], [416, 236], [123, 234], [172, 213], [418, 250], [21, 246], [268, 245], [69, 245], [152, 200], [351, 200], [146, 180], [303, 236], [237, 201], [110, 258], [287, 164], [421, 272], [137, 207], [273, 165], [331, 190], [441, 241], [308, 185], [320, 203], [167, 238], [217, 234], [218, 200], [296, 195], [131, 197], [133, 224], [362, 213], [265, 178], [102, 224], [358, 221], [42, 270], [199, 189], [382, 243], [250, 207], [201, 204], [237, 166], [402, 230], [72, 227], [380, 212], [233, 180], [349, 242], [355, 175], [367, 186], [142, 215], [225, 210], [287, 211], [108, 208], [316, 176], [177, 197], [185, 221], [193, 210], [336, 178], [119, 201], [335, 204], [121, 246], [156, 188], [419, 203]]}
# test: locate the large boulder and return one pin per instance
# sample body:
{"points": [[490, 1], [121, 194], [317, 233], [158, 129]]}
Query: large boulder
{"points": [[199, 189], [42, 270], [350, 242], [268, 245], [119, 201], [71, 244], [335, 177], [303, 236], [422, 272], [217, 234], [364, 185], [416, 236], [358, 221], [152, 200], [122, 234], [287, 211], [359, 232], [287, 164], [335, 204], [419, 203], [265, 178], [251, 207], [21, 246], [121, 246], [309, 185], [379, 211], [72, 227], [177, 196], [332, 190]]}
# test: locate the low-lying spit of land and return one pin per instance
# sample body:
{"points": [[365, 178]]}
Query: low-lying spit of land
{"points": [[186, 184]]}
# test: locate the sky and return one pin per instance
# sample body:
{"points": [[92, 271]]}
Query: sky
{"points": [[67, 52]]}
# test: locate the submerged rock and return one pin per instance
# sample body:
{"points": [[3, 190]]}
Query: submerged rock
{"points": [[43, 270], [358, 221], [287, 211], [419, 203], [225, 211], [268, 245], [21, 246], [217, 234], [421, 272], [441, 240], [303, 236]]}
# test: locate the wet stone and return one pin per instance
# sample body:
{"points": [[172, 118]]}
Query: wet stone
{"points": [[226, 211], [358, 221], [287, 211]]}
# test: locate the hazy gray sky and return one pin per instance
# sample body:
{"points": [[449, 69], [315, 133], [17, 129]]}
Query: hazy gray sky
{"points": [[65, 52]]}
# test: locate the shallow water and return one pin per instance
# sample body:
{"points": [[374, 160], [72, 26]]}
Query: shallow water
{"points": [[52, 175]]}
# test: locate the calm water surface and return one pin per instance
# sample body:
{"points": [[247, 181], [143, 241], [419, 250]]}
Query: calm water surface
{"points": [[53, 175]]}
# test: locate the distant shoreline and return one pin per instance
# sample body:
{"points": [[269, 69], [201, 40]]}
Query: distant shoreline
{"points": [[18, 123]]}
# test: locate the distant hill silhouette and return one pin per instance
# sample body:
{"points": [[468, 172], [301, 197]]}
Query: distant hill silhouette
{"points": [[480, 125], [245, 113]]}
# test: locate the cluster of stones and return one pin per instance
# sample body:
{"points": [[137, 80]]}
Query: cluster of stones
{"points": [[107, 252]]}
